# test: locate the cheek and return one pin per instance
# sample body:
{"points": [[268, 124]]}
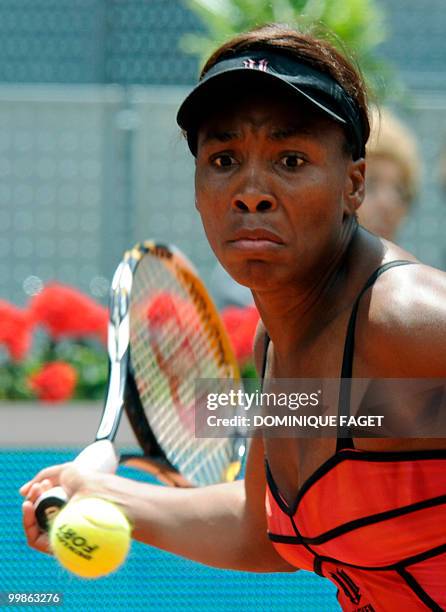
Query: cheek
{"points": [[204, 190], [320, 219], [207, 210], [208, 200], [320, 204]]}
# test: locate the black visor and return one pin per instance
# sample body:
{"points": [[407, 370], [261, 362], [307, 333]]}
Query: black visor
{"points": [[274, 69]]}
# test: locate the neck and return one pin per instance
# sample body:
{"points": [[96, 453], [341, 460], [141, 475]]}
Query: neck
{"points": [[297, 312]]}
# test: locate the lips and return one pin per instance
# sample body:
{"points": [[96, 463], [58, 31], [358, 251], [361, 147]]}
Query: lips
{"points": [[256, 241], [256, 235]]}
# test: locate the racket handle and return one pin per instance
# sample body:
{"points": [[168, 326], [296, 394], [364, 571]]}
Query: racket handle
{"points": [[48, 505], [99, 456]]}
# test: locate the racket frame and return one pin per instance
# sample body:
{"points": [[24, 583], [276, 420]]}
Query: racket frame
{"points": [[122, 391]]}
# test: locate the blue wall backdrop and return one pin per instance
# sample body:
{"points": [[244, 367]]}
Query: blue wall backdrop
{"points": [[150, 579]]}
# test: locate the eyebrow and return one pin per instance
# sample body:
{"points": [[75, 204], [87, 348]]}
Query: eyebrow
{"points": [[221, 136], [294, 130], [277, 134]]}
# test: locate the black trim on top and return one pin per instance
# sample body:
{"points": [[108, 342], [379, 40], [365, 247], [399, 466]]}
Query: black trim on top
{"points": [[344, 439], [275, 491], [398, 567], [297, 540], [419, 591], [317, 567], [374, 518], [265, 355], [351, 455], [349, 345], [298, 534], [407, 562], [427, 554], [283, 539]]}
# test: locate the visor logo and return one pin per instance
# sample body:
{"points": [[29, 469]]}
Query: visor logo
{"points": [[256, 65]]}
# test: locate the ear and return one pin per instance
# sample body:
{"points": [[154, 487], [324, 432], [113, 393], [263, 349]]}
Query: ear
{"points": [[354, 186]]}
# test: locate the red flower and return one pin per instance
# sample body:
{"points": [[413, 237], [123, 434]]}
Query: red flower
{"points": [[241, 324], [162, 309], [171, 313], [15, 330], [66, 312], [54, 382]]}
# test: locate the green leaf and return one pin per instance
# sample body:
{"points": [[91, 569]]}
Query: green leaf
{"points": [[88, 358], [358, 25]]}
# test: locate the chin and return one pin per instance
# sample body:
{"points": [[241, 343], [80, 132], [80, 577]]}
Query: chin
{"points": [[256, 275]]}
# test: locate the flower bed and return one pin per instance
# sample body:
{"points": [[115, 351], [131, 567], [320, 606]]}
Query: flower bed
{"points": [[68, 357], [55, 347]]}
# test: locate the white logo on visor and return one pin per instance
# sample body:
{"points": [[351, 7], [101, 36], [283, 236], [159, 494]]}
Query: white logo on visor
{"points": [[260, 65]]}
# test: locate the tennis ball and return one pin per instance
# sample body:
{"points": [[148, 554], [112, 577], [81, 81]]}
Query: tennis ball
{"points": [[90, 537]]}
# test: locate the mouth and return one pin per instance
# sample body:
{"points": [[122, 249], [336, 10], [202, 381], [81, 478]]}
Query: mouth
{"points": [[256, 239]]}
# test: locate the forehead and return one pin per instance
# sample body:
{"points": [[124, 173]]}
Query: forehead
{"points": [[280, 114]]}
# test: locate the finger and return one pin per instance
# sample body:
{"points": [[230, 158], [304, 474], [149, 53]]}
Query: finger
{"points": [[52, 473], [35, 492], [34, 536], [25, 488], [46, 484], [37, 489]]}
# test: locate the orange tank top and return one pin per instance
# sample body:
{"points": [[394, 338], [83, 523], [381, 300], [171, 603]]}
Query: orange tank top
{"points": [[372, 522]]}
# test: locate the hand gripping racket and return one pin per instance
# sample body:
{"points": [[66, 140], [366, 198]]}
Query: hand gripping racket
{"points": [[164, 334]]}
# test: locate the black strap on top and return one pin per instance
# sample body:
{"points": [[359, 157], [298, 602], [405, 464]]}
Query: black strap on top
{"points": [[344, 439], [265, 356]]}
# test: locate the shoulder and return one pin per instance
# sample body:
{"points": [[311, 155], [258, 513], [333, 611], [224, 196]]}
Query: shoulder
{"points": [[401, 329]]}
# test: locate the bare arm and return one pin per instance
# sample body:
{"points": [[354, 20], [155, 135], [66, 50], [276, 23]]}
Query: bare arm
{"points": [[222, 525]]}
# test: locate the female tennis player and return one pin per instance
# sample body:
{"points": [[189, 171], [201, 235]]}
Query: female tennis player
{"points": [[278, 125]]}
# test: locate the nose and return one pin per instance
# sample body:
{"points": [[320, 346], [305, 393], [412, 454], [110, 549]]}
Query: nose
{"points": [[253, 203], [252, 198]]}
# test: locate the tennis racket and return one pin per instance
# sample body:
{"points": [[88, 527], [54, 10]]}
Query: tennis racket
{"points": [[164, 333]]}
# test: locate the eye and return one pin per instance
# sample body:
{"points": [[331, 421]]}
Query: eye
{"points": [[292, 160], [223, 160]]}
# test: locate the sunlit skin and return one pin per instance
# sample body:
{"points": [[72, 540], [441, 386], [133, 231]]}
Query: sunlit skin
{"points": [[273, 166], [278, 173], [278, 194], [263, 166]]}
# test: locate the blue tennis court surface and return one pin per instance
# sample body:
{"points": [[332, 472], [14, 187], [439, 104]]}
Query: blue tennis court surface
{"points": [[150, 579]]}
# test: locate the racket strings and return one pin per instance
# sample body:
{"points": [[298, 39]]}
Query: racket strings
{"points": [[212, 331], [174, 342]]}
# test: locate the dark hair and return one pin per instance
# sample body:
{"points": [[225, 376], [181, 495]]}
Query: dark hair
{"points": [[315, 52]]}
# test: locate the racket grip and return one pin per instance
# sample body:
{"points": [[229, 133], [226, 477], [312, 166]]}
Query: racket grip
{"points": [[48, 505], [99, 456]]}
